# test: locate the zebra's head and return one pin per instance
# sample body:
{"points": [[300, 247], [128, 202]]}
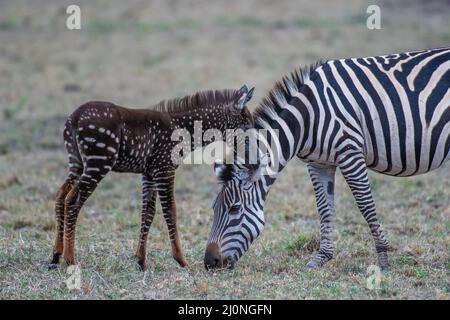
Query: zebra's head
{"points": [[238, 214]]}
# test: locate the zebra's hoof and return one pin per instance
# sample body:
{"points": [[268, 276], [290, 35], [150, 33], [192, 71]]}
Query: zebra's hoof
{"points": [[385, 268], [313, 264], [318, 261], [383, 261]]}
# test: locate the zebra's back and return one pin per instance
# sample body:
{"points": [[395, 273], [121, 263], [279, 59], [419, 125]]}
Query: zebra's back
{"points": [[398, 105]]}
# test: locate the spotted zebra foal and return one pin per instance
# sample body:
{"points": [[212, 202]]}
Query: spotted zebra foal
{"points": [[101, 137], [390, 114]]}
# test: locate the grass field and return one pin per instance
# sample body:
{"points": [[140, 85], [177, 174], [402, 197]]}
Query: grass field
{"points": [[136, 53]]}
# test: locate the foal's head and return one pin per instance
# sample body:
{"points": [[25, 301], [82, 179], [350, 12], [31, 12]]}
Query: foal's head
{"points": [[245, 95], [230, 111]]}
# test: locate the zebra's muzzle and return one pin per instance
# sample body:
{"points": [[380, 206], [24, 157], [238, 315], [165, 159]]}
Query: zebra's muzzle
{"points": [[213, 257]]}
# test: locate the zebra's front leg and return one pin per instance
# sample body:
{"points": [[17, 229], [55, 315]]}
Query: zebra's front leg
{"points": [[165, 186], [354, 169], [322, 178], [148, 213]]}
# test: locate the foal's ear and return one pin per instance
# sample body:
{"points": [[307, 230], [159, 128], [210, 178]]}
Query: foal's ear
{"points": [[245, 95], [219, 168]]}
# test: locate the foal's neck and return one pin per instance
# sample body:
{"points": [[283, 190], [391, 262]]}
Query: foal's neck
{"points": [[203, 119], [204, 111]]}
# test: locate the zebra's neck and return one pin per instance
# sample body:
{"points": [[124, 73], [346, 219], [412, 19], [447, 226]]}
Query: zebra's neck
{"points": [[287, 117], [286, 125]]}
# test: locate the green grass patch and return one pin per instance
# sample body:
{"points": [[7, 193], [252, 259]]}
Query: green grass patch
{"points": [[153, 60], [308, 23], [128, 25], [20, 223], [410, 185], [9, 23], [107, 184], [125, 221], [40, 133], [416, 272], [358, 19], [404, 261], [249, 21], [303, 243], [11, 112]]}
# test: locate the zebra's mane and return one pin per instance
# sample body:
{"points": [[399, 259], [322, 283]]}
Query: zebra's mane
{"points": [[281, 91], [199, 100]]}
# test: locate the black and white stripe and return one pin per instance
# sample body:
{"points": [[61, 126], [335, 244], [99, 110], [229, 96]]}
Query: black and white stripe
{"points": [[387, 113]]}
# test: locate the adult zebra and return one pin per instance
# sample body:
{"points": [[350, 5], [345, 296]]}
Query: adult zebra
{"points": [[387, 113]]}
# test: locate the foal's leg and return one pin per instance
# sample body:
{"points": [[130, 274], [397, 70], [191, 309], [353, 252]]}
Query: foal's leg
{"points": [[75, 170], [354, 169], [92, 175], [59, 216], [165, 187], [322, 178], [148, 213]]}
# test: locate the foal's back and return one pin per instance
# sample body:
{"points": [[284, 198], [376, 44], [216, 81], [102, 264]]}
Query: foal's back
{"points": [[119, 138]]}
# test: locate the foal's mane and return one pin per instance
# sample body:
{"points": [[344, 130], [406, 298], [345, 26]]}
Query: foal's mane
{"points": [[199, 100], [267, 110], [282, 91]]}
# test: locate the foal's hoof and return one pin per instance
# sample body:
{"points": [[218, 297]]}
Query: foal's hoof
{"points": [[141, 262], [69, 262], [142, 265], [54, 262], [52, 266], [181, 261]]}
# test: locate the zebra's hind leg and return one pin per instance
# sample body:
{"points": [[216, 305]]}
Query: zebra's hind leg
{"points": [[322, 178], [353, 167], [148, 213]]}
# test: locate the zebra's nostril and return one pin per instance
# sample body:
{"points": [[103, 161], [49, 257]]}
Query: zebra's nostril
{"points": [[213, 258], [212, 263]]}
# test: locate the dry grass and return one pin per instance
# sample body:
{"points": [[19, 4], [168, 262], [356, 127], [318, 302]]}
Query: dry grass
{"points": [[139, 53]]}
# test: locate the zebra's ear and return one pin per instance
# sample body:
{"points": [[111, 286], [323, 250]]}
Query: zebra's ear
{"points": [[223, 171], [263, 163], [245, 97]]}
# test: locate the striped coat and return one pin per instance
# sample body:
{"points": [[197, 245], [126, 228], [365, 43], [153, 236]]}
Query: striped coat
{"points": [[387, 113]]}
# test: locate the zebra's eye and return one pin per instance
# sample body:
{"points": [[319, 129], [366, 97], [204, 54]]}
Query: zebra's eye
{"points": [[235, 209]]}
